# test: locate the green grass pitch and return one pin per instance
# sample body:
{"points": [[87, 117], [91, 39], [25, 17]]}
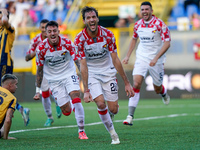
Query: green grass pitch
{"points": [[156, 127]]}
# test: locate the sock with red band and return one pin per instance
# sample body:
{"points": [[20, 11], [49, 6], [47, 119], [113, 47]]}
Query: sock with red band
{"points": [[164, 91], [133, 102], [105, 118], [79, 113], [46, 102]]}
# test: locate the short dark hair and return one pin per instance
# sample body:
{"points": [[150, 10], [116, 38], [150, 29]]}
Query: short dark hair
{"points": [[88, 9], [51, 23], [44, 21], [146, 3], [8, 76]]}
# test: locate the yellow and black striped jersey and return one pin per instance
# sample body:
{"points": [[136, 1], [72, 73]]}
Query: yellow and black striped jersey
{"points": [[7, 100], [7, 37]]}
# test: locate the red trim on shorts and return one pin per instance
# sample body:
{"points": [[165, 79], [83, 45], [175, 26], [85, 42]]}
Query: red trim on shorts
{"points": [[45, 94], [136, 90], [67, 114], [76, 100], [163, 90], [103, 112]]}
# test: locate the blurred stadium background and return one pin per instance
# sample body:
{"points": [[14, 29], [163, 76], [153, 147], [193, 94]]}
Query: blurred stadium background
{"points": [[182, 68]]}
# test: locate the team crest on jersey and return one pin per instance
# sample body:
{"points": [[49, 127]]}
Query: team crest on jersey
{"points": [[154, 31], [104, 46], [63, 53]]}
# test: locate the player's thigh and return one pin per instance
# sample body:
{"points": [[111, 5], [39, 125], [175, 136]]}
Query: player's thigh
{"points": [[45, 84], [59, 92], [157, 74], [140, 68], [110, 90], [72, 84], [95, 88]]}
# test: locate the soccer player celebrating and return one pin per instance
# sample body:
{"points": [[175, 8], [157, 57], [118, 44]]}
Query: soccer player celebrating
{"points": [[30, 54], [150, 56], [7, 102], [55, 60], [7, 37], [99, 62]]}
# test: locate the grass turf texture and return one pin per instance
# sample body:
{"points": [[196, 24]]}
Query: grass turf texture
{"points": [[156, 127]]}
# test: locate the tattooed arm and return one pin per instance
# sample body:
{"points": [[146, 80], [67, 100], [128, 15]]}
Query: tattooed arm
{"points": [[39, 78], [7, 123]]}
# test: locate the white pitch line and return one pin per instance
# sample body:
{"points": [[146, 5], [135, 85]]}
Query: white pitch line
{"points": [[96, 123]]}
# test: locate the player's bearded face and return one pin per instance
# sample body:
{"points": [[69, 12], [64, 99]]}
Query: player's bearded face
{"points": [[146, 12], [53, 35], [91, 21]]}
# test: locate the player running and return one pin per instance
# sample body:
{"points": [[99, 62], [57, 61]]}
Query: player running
{"points": [[55, 61], [155, 40], [30, 54]]}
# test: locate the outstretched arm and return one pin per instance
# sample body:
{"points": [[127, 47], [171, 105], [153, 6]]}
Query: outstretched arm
{"points": [[7, 123], [118, 66]]}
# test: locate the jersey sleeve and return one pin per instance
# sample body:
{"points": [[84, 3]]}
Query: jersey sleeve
{"points": [[112, 44], [135, 35], [32, 47], [12, 104], [79, 47], [40, 55], [165, 33]]}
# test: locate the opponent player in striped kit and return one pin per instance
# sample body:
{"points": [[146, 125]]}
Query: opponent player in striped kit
{"points": [[99, 64], [30, 54], [55, 60], [155, 40]]}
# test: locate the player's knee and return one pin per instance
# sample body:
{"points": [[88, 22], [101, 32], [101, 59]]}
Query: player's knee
{"points": [[76, 100], [66, 113], [157, 90], [101, 105], [45, 94], [137, 85], [114, 111]]}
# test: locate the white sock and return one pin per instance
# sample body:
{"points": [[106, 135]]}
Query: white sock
{"points": [[133, 101], [105, 118], [79, 115], [47, 106]]}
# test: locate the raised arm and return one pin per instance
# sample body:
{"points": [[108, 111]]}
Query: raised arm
{"points": [[119, 68], [5, 18]]}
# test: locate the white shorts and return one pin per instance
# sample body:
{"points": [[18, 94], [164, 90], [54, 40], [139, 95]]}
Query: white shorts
{"points": [[45, 84], [61, 89], [108, 89], [157, 72]]}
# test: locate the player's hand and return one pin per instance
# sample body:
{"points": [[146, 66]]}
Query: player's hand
{"points": [[36, 96], [88, 97], [153, 62], [125, 60], [129, 90]]}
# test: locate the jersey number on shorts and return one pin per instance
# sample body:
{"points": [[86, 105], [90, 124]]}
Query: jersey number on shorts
{"points": [[73, 78], [113, 86]]}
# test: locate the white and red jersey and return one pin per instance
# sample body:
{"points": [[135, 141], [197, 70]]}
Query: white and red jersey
{"points": [[34, 43], [97, 51], [57, 62], [152, 34]]}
